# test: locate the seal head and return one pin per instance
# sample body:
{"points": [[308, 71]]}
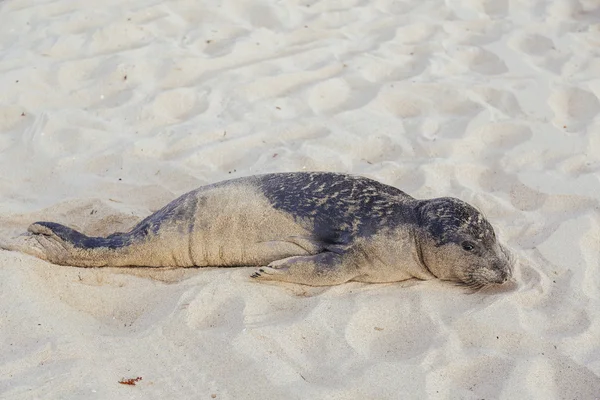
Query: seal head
{"points": [[458, 244]]}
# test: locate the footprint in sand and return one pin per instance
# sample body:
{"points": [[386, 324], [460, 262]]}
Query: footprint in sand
{"points": [[179, 104], [400, 102], [532, 44], [472, 32], [339, 94], [117, 37], [491, 8], [480, 60], [573, 107], [496, 138], [12, 117], [415, 33], [539, 51], [501, 100], [471, 9]]}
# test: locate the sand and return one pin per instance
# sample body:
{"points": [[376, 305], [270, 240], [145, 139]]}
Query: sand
{"points": [[108, 110]]}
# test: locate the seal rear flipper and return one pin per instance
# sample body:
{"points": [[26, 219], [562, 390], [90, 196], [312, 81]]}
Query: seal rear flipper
{"points": [[323, 269], [57, 231], [68, 235], [24, 243], [62, 245]]}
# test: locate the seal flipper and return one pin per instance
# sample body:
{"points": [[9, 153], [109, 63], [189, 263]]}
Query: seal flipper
{"points": [[77, 239], [323, 269], [62, 245]]}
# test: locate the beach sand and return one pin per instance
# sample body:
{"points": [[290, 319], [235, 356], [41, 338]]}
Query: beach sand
{"points": [[109, 110]]}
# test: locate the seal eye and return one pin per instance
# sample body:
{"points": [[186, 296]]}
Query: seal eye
{"points": [[468, 246]]}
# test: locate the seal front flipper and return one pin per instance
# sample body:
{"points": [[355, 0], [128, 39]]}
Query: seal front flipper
{"points": [[323, 269]]}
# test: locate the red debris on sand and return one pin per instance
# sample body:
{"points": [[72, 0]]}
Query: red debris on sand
{"points": [[131, 381]]}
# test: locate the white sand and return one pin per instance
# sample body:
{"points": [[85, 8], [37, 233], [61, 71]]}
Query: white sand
{"points": [[110, 109]]}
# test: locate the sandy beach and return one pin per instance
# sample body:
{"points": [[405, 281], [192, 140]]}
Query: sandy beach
{"points": [[109, 110]]}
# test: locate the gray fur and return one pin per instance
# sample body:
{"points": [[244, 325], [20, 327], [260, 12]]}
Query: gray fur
{"points": [[308, 227]]}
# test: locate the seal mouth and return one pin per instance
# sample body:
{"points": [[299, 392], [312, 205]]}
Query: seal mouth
{"points": [[473, 284], [478, 278]]}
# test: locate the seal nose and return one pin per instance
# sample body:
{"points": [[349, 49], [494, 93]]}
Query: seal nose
{"points": [[503, 272]]}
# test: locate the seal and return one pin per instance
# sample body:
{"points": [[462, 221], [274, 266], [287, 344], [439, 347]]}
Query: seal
{"points": [[312, 228]]}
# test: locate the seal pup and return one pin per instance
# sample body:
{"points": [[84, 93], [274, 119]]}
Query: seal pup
{"points": [[312, 228]]}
